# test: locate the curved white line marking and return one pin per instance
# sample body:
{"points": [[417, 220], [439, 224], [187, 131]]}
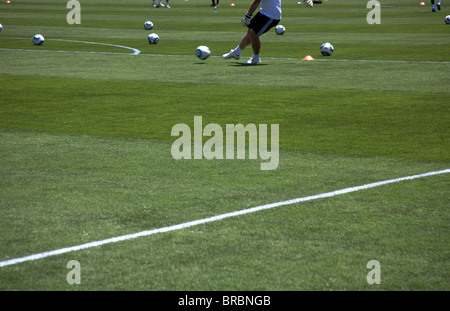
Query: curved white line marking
{"points": [[213, 218], [61, 51], [135, 51]]}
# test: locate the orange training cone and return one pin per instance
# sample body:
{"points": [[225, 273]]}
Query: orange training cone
{"points": [[308, 57]]}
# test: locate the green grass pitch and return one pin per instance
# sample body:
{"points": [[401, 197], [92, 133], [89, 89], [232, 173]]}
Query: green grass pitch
{"points": [[85, 147]]}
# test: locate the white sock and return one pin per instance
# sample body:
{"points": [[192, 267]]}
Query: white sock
{"points": [[238, 50], [256, 56]]}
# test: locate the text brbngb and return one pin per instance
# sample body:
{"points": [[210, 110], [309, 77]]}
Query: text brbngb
{"points": [[229, 144]]}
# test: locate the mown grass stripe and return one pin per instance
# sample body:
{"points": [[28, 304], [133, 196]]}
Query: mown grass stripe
{"points": [[213, 218]]}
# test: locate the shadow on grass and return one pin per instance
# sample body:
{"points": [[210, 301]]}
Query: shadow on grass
{"points": [[247, 65]]}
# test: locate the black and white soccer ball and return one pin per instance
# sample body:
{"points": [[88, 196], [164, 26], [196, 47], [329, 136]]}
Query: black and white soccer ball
{"points": [[153, 38], [38, 39], [280, 29], [203, 52], [148, 25], [447, 19], [326, 49]]}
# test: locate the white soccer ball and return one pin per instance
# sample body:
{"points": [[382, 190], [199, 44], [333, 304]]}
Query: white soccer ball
{"points": [[1, 27], [203, 52], [153, 38], [148, 25], [279, 30], [326, 49], [447, 19], [38, 39]]}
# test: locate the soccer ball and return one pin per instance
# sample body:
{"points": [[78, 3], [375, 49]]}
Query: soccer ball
{"points": [[279, 30], [153, 38], [447, 19], [326, 49], [148, 25], [203, 52], [38, 39], [1, 27]]}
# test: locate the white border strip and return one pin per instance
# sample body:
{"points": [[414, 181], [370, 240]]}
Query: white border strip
{"points": [[135, 51], [213, 218], [62, 51], [138, 52], [384, 61]]}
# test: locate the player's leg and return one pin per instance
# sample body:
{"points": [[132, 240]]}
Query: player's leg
{"points": [[256, 47], [439, 5], [259, 25], [251, 38], [256, 43], [432, 6]]}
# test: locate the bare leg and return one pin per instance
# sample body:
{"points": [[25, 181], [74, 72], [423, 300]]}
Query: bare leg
{"points": [[251, 38], [245, 41], [256, 43]]}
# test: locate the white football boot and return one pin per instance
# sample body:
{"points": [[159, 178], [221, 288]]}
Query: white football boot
{"points": [[253, 61], [232, 54]]}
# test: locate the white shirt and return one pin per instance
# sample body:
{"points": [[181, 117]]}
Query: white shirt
{"points": [[271, 8]]}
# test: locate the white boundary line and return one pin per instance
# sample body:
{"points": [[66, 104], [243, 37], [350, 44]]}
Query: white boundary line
{"points": [[213, 218], [135, 51], [383, 61], [61, 51], [138, 52], [273, 58]]}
